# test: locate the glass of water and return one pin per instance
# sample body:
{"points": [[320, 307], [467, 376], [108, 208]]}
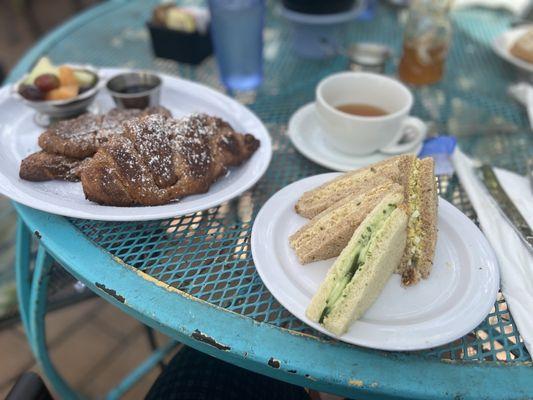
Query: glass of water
{"points": [[237, 32]]}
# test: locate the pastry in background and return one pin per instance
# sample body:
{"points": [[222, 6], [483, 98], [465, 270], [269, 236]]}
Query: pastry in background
{"points": [[522, 48]]}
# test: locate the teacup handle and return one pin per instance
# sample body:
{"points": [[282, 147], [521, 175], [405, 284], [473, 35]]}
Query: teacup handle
{"points": [[414, 127]]}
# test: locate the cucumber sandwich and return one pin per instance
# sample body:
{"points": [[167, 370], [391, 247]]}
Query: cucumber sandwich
{"points": [[363, 267]]}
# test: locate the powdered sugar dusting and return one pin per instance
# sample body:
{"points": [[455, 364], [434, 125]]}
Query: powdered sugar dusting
{"points": [[152, 141], [192, 136], [97, 129]]}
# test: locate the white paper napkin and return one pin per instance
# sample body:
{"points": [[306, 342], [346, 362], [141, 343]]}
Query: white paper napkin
{"points": [[523, 92], [515, 260], [517, 7]]}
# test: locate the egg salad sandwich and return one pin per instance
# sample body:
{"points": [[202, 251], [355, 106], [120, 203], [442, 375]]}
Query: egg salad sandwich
{"points": [[330, 231], [317, 200], [363, 267], [421, 200]]}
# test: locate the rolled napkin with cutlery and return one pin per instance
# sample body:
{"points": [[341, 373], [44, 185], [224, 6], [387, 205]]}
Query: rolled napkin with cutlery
{"points": [[514, 256], [523, 92], [517, 7]]}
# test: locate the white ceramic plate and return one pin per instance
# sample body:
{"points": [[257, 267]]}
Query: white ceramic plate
{"points": [[19, 133], [308, 138], [502, 44], [457, 296]]}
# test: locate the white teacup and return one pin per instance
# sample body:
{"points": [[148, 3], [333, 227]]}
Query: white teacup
{"points": [[361, 135]]}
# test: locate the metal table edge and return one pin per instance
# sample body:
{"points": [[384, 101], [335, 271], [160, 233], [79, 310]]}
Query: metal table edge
{"points": [[255, 345]]}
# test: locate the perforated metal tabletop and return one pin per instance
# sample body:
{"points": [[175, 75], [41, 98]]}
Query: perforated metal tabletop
{"points": [[193, 277]]}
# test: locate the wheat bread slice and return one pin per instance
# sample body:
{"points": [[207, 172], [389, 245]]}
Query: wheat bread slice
{"points": [[330, 231], [317, 200], [422, 226], [383, 256]]}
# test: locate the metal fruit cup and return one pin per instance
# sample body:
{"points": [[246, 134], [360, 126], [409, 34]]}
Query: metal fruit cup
{"points": [[50, 110], [135, 89]]}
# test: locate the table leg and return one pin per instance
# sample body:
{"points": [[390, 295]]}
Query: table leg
{"points": [[37, 311], [22, 273]]}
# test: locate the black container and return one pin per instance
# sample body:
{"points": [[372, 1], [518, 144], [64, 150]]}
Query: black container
{"points": [[189, 48], [319, 6]]}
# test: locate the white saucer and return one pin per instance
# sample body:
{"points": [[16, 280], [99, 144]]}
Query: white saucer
{"points": [[308, 138], [456, 297]]}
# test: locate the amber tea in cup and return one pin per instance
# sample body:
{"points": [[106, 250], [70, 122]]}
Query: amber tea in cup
{"points": [[363, 110], [361, 113]]}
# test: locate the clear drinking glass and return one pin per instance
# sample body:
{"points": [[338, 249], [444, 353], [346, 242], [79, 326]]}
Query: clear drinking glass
{"points": [[237, 32]]}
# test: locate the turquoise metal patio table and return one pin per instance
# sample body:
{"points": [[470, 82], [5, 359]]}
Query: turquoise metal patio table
{"points": [[193, 277]]}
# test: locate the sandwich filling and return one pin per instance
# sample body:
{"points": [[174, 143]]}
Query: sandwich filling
{"points": [[357, 258], [414, 226]]}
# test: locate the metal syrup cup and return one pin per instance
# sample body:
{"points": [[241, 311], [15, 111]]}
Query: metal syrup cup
{"points": [[118, 84]]}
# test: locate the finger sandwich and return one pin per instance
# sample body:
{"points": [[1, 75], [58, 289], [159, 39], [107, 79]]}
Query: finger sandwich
{"points": [[317, 200], [330, 231], [363, 267]]}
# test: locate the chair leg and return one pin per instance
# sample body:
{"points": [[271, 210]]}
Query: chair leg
{"points": [[153, 343], [37, 311], [29, 386]]}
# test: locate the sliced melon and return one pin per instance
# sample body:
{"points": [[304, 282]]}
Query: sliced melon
{"points": [[43, 66], [84, 78]]}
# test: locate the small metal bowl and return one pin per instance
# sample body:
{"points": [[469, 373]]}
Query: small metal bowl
{"points": [[135, 89], [49, 110], [369, 57]]}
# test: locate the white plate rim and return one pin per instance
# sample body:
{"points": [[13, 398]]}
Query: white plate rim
{"points": [[317, 157], [263, 156], [263, 225], [503, 41]]}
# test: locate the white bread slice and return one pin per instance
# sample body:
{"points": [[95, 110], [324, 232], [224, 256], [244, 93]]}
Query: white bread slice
{"points": [[317, 200], [422, 226], [383, 256], [330, 231]]}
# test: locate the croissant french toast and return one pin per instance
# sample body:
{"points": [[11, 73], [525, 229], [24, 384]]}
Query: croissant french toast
{"points": [[80, 137], [157, 160], [66, 143], [42, 166]]}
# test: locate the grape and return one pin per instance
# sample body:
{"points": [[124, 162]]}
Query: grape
{"points": [[46, 82], [31, 92]]}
